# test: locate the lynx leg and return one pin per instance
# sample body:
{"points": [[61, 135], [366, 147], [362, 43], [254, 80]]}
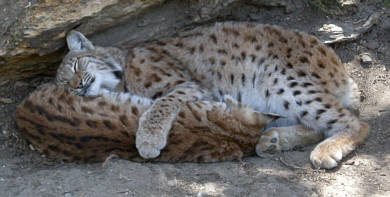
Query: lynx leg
{"points": [[334, 148], [156, 122], [286, 138], [343, 130]]}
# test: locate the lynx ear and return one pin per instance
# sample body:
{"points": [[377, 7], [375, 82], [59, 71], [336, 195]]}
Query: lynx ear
{"points": [[77, 41]]}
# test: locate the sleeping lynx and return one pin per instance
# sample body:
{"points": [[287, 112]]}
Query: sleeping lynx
{"points": [[269, 68]]}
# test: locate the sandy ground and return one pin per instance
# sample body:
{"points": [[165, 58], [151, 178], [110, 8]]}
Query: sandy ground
{"points": [[365, 172]]}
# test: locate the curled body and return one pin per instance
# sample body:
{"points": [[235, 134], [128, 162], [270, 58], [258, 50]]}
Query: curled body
{"points": [[269, 68]]}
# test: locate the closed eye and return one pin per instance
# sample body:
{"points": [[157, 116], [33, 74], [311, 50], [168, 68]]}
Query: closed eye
{"points": [[76, 65]]}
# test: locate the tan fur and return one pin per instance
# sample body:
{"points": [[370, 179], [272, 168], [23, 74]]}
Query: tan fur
{"points": [[271, 69], [89, 129]]}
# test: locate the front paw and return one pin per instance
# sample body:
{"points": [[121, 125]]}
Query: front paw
{"points": [[269, 143], [149, 142], [153, 129], [328, 153]]}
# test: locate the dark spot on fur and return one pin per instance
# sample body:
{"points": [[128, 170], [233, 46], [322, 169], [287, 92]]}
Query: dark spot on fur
{"points": [[232, 79], [280, 91], [91, 123], [102, 103], [157, 95], [201, 48], [148, 84], [219, 75], [108, 124], [124, 120], [297, 92], [308, 102], [86, 110], [293, 84], [315, 75], [222, 62], [115, 108], [286, 105], [313, 41], [283, 71], [253, 58], [182, 114], [222, 51], [243, 79], [303, 59], [191, 50], [322, 50], [301, 73], [212, 60], [275, 81], [318, 99], [307, 84], [332, 121], [134, 110], [243, 55], [267, 93], [179, 44], [254, 79], [320, 111], [213, 38]]}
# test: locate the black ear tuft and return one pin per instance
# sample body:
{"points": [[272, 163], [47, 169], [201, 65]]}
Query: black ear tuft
{"points": [[78, 42]]}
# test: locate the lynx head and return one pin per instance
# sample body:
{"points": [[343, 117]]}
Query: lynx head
{"points": [[88, 68]]}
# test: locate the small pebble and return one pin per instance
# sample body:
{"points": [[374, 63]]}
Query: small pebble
{"points": [[68, 195], [365, 58], [31, 147]]}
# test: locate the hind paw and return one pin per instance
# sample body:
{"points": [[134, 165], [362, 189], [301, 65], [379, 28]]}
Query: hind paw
{"points": [[269, 143]]}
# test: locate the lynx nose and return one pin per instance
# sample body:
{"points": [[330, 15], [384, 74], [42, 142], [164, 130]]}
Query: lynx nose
{"points": [[80, 85]]}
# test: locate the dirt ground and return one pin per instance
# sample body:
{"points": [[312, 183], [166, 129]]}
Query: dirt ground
{"points": [[365, 172]]}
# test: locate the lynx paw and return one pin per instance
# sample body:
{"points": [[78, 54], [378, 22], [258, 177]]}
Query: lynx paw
{"points": [[328, 153], [269, 143], [153, 129], [148, 145]]}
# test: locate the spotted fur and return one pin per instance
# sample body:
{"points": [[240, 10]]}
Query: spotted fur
{"points": [[271, 69]]}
